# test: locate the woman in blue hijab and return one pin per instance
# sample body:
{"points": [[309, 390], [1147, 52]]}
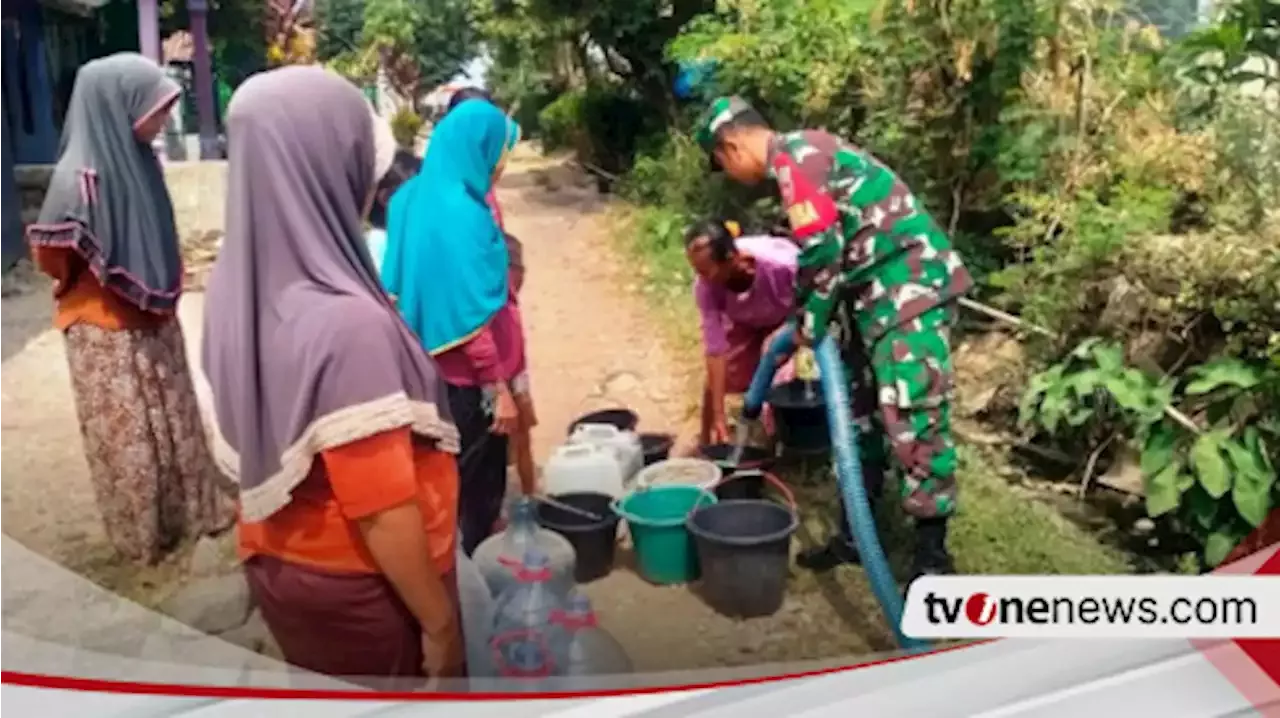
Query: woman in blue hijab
{"points": [[446, 264]]}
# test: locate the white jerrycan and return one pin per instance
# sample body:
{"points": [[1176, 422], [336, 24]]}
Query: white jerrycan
{"points": [[625, 446], [583, 467]]}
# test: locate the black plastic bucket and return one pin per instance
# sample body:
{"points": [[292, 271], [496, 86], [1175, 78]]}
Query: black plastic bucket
{"points": [[744, 551], [800, 413], [624, 419], [656, 447], [741, 484], [748, 482], [593, 541]]}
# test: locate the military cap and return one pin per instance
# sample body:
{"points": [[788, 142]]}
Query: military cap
{"points": [[721, 112]]}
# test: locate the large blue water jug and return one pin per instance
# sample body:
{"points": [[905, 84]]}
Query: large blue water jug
{"points": [[526, 651], [589, 652]]}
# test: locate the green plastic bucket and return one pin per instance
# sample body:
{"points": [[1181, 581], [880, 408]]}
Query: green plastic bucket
{"points": [[664, 549]]}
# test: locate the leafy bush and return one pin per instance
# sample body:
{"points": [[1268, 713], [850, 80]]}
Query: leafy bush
{"points": [[405, 126], [561, 122], [1218, 483], [603, 123]]}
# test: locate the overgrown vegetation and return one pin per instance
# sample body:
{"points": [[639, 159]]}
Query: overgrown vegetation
{"points": [[417, 44], [1117, 187]]}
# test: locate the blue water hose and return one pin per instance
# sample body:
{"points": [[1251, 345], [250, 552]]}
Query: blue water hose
{"points": [[844, 442]]}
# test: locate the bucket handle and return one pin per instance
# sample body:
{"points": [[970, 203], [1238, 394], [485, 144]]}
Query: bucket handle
{"points": [[777, 483], [704, 494]]}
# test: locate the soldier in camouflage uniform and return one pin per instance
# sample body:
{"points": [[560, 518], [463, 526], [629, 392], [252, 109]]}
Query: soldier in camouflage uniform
{"points": [[882, 276]]}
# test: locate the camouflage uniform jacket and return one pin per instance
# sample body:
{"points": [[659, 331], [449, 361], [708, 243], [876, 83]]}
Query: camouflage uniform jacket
{"points": [[863, 237]]}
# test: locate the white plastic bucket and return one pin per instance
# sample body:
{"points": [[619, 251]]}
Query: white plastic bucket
{"points": [[689, 471]]}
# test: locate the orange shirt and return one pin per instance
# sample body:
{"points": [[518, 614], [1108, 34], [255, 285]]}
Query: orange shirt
{"points": [[80, 297], [352, 482]]}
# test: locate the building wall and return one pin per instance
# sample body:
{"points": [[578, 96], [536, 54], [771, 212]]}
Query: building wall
{"points": [[198, 190]]}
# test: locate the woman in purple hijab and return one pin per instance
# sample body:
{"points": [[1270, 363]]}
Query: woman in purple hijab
{"points": [[329, 413]]}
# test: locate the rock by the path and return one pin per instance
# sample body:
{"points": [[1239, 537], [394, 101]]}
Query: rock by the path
{"points": [[621, 383], [271, 649], [977, 403], [208, 558], [253, 635], [215, 604]]}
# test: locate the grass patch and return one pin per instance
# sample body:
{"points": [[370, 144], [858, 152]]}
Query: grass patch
{"points": [[646, 237], [1001, 528]]}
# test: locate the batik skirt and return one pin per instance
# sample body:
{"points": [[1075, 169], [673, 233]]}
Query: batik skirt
{"points": [[153, 475]]}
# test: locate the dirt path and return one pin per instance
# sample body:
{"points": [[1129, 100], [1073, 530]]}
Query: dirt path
{"points": [[592, 345]]}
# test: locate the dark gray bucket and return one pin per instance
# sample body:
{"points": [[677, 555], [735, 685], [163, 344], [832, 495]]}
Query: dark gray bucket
{"points": [[744, 550], [593, 541]]}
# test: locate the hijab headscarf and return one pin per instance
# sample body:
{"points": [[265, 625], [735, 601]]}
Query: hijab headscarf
{"points": [[107, 198], [303, 350], [446, 258]]}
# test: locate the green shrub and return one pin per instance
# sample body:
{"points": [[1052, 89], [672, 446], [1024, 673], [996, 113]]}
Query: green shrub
{"points": [[1218, 483], [405, 126], [604, 124], [560, 122]]}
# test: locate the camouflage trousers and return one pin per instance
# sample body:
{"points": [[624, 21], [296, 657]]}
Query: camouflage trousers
{"points": [[903, 386]]}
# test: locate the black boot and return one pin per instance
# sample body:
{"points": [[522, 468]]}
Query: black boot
{"points": [[840, 550], [931, 557]]}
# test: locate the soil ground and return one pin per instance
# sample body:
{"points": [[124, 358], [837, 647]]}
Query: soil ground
{"points": [[593, 344]]}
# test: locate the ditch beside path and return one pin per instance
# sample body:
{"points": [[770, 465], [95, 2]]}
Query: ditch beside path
{"points": [[592, 344]]}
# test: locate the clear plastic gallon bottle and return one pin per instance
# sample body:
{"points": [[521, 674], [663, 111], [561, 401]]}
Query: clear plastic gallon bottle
{"points": [[500, 555], [478, 610], [589, 651], [526, 652]]}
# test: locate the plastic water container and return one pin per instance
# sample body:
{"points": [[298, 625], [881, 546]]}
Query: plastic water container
{"points": [[500, 556], [578, 468], [588, 650], [527, 652], [680, 471], [478, 612], [625, 446]]}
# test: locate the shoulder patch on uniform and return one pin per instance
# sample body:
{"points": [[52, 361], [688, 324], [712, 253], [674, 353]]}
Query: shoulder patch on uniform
{"points": [[782, 173], [809, 208]]}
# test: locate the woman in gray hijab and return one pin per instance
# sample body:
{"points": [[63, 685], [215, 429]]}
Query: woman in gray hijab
{"points": [[106, 236], [331, 417]]}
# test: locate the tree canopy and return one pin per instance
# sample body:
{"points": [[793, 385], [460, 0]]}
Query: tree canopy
{"points": [[418, 43]]}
